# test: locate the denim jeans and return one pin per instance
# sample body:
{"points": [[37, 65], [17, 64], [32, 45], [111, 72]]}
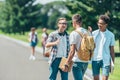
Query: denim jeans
{"points": [[54, 68], [79, 69]]}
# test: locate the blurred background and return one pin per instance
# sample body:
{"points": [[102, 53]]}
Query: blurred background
{"points": [[18, 16]]}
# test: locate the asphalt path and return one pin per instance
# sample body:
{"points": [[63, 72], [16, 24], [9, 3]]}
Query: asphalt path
{"points": [[15, 63]]}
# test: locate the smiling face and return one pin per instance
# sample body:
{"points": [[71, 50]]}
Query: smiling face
{"points": [[62, 24], [103, 22], [102, 25]]}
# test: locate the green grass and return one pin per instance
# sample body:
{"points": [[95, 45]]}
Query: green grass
{"points": [[19, 37], [1, 32], [117, 47], [25, 37], [116, 73]]}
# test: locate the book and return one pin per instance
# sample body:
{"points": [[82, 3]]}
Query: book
{"points": [[111, 67], [62, 64]]}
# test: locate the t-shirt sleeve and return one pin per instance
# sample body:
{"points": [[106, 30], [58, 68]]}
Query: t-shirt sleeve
{"points": [[112, 40], [72, 38], [50, 37]]}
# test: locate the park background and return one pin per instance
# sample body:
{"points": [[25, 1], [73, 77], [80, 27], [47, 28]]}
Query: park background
{"points": [[18, 16]]}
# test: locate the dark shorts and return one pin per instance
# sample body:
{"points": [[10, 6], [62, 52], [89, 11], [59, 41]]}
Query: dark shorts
{"points": [[33, 44], [96, 65]]}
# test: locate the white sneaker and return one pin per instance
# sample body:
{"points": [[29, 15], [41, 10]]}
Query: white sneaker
{"points": [[33, 58], [30, 58]]}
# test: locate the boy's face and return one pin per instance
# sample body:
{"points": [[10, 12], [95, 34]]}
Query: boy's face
{"points": [[62, 25], [102, 25], [33, 31]]}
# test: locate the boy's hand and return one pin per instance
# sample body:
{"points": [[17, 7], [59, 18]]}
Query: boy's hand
{"points": [[90, 28]]}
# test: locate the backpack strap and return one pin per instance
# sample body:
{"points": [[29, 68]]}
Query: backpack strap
{"points": [[81, 34]]}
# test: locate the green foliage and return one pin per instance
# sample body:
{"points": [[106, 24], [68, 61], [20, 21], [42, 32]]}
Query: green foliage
{"points": [[91, 9], [51, 12], [84, 8], [20, 15]]}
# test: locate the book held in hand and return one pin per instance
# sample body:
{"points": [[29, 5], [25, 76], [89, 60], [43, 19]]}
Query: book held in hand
{"points": [[62, 64], [111, 67]]}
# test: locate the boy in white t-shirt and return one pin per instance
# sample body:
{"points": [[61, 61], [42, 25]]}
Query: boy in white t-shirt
{"points": [[79, 66], [104, 50]]}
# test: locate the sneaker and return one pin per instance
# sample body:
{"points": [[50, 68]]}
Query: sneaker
{"points": [[30, 58], [33, 58]]}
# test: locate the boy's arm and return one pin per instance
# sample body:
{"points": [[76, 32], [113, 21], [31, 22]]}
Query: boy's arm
{"points": [[69, 59], [50, 41], [50, 44], [112, 53], [71, 54]]}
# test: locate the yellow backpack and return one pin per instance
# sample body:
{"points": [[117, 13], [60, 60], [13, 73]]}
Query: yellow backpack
{"points": [[87, 46]]}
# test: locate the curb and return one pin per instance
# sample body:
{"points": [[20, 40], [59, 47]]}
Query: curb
{"points": [[38, 49]]}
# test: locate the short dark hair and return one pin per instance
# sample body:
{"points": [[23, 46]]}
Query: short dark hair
{"points": [[33, 28], [77, 18], [105, 18]]}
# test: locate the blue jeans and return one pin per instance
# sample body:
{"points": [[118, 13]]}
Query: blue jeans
{"points": [[79, 69], [54, 68], [96, 65]]}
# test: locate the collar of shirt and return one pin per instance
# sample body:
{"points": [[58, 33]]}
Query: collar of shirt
{"points": [[62, 34]]}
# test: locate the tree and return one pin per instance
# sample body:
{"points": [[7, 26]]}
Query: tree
{"points": [[20, 15], [51, 12], [91, 9]]}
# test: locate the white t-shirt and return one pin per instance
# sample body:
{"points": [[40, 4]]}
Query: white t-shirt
{"points": [[44, 35], [109, 40], [99, 47], [32, 37], [62, 46], [75, 38]]}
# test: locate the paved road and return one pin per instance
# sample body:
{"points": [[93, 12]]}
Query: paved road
{"points": [[15, 63]]}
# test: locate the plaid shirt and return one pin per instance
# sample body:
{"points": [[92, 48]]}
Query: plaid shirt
{"points": [[53, 37]]}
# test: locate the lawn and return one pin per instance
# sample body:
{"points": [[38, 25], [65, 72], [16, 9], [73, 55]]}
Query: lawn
{"points": [[116, 74], [25, 37], [117, 47]]}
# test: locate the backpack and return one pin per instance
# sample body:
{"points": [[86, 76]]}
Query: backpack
{"points": [[36, 38], [87, 46]]}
